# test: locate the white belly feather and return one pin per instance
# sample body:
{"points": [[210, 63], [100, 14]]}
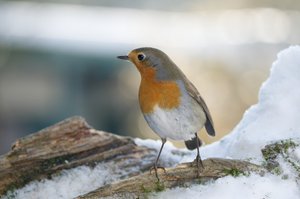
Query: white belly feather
{"points": [[180, 123]]}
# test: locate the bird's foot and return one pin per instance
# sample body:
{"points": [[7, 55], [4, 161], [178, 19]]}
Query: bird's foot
{"points": [[155, 168], [199, 164]]}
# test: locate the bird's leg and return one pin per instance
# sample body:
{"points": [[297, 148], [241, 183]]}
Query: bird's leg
{"points": [[155, 167], [198, 158]]}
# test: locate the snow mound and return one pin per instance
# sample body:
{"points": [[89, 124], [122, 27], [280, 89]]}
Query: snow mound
{"points": [[275, 117]]}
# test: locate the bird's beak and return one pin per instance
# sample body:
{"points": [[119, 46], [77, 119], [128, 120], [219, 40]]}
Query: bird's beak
{"points": [[124, 57]]}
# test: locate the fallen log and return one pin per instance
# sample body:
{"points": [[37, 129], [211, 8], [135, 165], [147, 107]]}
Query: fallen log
{"points": [[73, 143], [66, 145], [183, 175]]}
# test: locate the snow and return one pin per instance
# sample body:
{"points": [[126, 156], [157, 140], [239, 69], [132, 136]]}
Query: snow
{"points": [[276, 116], [69, 184], [297, 153], [250, 187], [170, 155]]}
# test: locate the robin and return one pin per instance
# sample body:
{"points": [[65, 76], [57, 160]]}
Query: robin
{"points": [[170, 103]]}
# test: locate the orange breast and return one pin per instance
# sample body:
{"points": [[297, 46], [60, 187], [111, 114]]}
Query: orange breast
{"points": [[165, 94]]}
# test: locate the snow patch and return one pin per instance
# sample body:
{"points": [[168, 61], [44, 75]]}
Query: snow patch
{"points": [[68, 184], [250, 187], [170, 155], [297, 153]]}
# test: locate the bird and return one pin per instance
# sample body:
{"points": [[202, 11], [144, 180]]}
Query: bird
{"points": [[169, 102]]}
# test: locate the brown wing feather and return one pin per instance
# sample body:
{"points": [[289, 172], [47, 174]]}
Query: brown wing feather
{"points": [[193, 92]]}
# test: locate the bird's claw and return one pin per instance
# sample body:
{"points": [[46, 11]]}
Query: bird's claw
{"points": [[155, 168], [199, 164]]}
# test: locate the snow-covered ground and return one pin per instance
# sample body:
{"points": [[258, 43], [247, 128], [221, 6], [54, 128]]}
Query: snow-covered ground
{"points": [[275, 117]]}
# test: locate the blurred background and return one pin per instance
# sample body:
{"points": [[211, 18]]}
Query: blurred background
{"points": [[58, 58]]}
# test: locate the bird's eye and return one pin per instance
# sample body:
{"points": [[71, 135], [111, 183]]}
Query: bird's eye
{"points": [[141, 57]]}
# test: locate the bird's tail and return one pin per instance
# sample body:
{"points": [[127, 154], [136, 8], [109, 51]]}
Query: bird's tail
{"points": [[192, 144]]}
